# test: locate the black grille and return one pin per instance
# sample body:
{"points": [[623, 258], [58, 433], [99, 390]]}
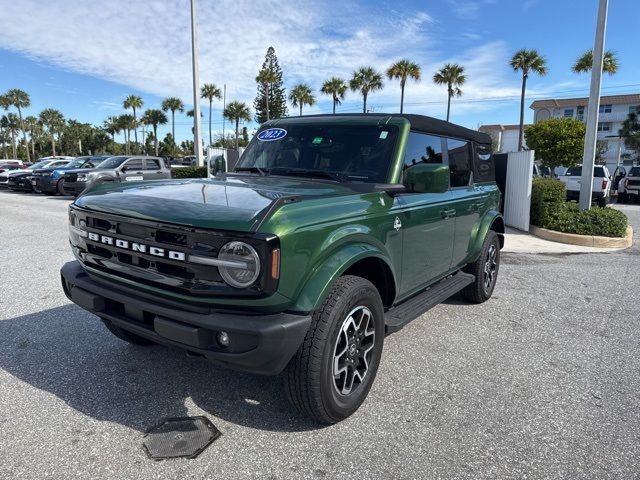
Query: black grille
{"points": [[161, 271], [70, 177], [634, 182]]}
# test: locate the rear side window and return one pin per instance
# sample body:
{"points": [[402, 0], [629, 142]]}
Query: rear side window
{"points": [[152, 164], [485, 169], [599, 172], [459, 162], [573, 172], [134, 165]]}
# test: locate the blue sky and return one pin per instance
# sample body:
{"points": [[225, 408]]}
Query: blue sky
{"points": [[84, 58]]}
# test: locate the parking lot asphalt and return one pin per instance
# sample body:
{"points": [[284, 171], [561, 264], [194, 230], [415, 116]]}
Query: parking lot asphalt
{"points": [[542, 381]]}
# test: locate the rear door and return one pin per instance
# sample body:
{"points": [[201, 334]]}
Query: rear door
{"points": [[152, 169], [425, 221], [468, 200], [132, 170]]}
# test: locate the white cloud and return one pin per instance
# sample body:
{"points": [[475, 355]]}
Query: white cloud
{"points": [[146, 45]]}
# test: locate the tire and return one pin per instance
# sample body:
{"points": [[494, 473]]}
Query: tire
{"points": [[623, 198], [310, 384], [127, 336], [35, 189], [59, 187], [488, 261], [602, 202]]}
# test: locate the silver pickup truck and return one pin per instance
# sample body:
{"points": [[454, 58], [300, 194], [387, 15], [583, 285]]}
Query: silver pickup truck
{"points": [[629, 186]]}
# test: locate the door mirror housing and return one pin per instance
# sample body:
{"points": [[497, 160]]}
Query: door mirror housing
{"points": [[427, 178], [217, 165]]}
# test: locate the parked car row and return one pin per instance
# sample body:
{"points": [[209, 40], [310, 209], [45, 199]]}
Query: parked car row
{"points": [[71, 176]]}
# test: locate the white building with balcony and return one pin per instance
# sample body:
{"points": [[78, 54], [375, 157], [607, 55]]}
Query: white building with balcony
{"points": [[505, 137], [614, 110]]}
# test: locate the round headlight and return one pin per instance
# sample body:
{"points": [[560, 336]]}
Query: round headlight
{"points": [[243, 266]]}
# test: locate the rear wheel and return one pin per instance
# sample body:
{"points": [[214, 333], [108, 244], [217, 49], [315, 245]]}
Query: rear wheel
{"points": [[60, 187], [485, 269], [125, 335], [602, 202], [333, 370]]}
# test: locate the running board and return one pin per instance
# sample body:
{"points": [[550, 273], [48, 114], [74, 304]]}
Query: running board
{"points": [[409, 310]]}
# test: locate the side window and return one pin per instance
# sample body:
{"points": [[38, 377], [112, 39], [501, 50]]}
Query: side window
{"points": [[485, 168], [421, 149], [459, 162], [135, 164], [152, 164]]}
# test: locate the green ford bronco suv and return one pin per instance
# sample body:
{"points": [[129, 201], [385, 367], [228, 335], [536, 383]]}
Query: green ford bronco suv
{"points": [[331, 232]]}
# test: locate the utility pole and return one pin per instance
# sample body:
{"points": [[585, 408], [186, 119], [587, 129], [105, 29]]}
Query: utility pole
{"points": [[224, 107], [196, 88], [588, 160]]}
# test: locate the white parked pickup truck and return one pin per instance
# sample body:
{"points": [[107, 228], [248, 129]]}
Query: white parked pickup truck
{"points": [[601, 183], [629, 186]]}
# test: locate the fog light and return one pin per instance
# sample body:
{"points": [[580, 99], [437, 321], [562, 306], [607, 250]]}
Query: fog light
{"points": [[223, 339]]}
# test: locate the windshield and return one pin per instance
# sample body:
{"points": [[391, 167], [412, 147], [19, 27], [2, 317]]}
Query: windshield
{"points": [[40, 164], [113, 162], [77, 163], [350, 152]]}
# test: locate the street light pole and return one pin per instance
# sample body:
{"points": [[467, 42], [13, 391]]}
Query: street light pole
{"points": [[196, 88], [586, 184]]}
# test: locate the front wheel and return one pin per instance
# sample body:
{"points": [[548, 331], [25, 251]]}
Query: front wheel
{"points": [[485, 269], [333, 370]]}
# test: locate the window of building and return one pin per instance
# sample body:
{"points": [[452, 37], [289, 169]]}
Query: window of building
{"points": [[604, 126], [606, 108], [485, 167], [459, 162], [580, 113], [568, 112]]}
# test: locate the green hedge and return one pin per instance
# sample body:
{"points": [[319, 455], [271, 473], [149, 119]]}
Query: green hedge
{"points": [[189, 172], [567, 217], [543, 191]]}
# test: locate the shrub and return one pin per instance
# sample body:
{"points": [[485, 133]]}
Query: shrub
{"points": [[557, 141], [189, 172], [567, 217], [543, 191]]}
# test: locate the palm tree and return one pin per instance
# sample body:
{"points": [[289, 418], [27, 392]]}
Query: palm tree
{"points": [[4, 104], [526, 61], [11, 123], [154, 117], [266, 77], [584, 63], [134, 102], [127, 123], [403, 70], [20, 99], [237, 112], [173, 104], [451, 75], [210, 91], [336, 87], [301, 95], [366, 80], [53, 121], [112, 126], [33, 127]]}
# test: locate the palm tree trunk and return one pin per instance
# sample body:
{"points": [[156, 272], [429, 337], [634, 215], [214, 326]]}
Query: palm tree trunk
{"points": [[401, 96], [155, 138], [334, 103], [521, 131], [33, 147], [173, 131], [24, 134], [300, 109], [53, 143], [135, 128], [364, 103], [237, 124], [266, 97], [4, 145], [210, 139], [448, 104], [13, 143]]}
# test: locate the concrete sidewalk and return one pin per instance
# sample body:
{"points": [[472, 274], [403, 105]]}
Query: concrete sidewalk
{"points": [[516, 241]]}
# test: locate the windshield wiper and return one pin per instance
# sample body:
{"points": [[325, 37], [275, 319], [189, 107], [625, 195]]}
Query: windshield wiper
{"points": [[301, 172], [252, 170]]}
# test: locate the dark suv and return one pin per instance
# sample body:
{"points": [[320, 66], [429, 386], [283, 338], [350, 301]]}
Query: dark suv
{"points": [[331, 232]]}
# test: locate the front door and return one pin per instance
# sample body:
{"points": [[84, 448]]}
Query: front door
{"points": [[132, 170], [426, 221], [152, 169]]}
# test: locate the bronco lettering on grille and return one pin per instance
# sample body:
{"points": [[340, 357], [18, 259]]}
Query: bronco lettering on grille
{"points": [[137, 247]]}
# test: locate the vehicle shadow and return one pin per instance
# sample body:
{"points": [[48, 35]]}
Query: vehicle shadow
{"points": [[69, 353]]}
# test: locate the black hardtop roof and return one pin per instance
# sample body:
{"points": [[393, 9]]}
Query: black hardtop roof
{"points": [[419, 123]]}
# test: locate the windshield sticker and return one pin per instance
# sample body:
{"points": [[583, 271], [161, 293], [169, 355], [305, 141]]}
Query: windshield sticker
{"points": [[272, 134], [317, 141], [383, 134]]}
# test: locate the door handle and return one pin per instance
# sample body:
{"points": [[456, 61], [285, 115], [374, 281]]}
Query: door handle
{"points": [[474, 207], [448, 213]]}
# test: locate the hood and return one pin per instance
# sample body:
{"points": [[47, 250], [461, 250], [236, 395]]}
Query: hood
{"points": [[236, 203]]}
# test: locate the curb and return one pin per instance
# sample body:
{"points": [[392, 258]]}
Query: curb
{"points": [[584, 240]]}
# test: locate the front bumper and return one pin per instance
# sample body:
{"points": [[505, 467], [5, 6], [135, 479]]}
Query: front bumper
{"points": [[22, 184], [74, 188], [45, 184], [261, 344]]}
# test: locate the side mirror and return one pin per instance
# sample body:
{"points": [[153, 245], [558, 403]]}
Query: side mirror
{"points": [[427, 178], [217, 165]]}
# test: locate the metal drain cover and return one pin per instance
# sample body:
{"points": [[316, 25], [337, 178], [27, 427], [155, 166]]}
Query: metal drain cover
{"points": [[180, 437]]}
